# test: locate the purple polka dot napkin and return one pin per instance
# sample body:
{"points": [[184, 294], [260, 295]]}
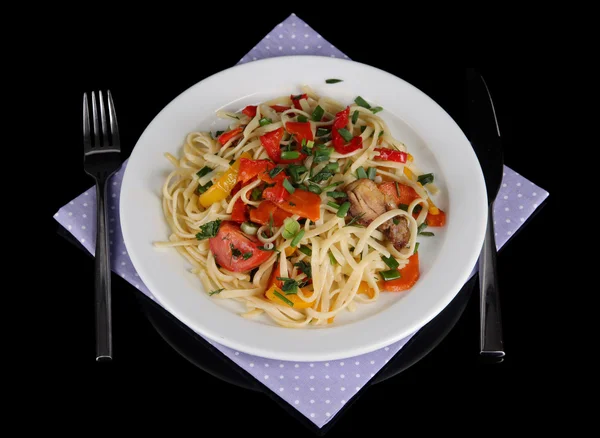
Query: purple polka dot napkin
{"points": [[317, 390]]}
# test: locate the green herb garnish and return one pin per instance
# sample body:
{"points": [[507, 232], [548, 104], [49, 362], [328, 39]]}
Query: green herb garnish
{"points": [[247, 255], [219, 133], [256, 194], [362, 128], [305, 268], [284, 299], [361, 102], [333, 205], [390, 275], [427, 233], [372, 173], [421, 227], [265, 121], [354, 220], [209, 230], [290, 228], [376, 109], [343, 209], [305, 250], [337, 194], [234, 251], [302, 118], [332, 259], [391, 262], [403, 207], [322, 132], [233, 117], [416, 247], [312, 187], [290, 286], [214, 292], [426, 178], [296, 171], [332, 81], [204, 171], [262, 248], [322, 153], [317, 114], [331, 186], [360, 172], [290, 155], [355, 117], [205, 187], [288, 186], [297, 239], [275, 171], [346, 135]]}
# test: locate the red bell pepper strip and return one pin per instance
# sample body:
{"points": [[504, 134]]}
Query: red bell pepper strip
{"points": [[240, 212], [391, 155], [301, 202], [301, 130], [296, 100], [277, 193], [262, 214], [271, 141], [436, 220], [280, 108], [226, 136], [250, 111], [252, 168], [339, 144], [409, 275]]}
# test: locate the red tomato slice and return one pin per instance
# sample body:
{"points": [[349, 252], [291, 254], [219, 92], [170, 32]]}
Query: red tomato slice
{"points": [[235, 251]]}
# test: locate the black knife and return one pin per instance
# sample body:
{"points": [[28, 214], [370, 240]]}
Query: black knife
{"points": [[485, 138]]}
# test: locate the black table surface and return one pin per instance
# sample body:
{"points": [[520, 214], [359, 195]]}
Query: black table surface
{"points": [[148, 373]]}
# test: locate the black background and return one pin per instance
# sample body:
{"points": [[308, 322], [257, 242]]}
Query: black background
{"points": [[146, 65]]}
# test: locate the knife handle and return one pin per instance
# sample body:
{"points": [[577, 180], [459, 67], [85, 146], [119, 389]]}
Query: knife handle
{"points": [[491, 340]]}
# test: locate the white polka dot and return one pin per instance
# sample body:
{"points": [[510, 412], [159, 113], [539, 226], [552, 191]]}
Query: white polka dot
{"points": [[280, 365], [346, 56], [387, 348], [522, 219], [327, 414], [319, 36], [122, 263], [85, 204], [312, 402], [297, 389], [506, 197], [312, 365], [327, 376], [504, 174], [535, 205], [137, 275], [266, 365], [343, 402], [357, 388], [519, 195], [342, 376], [341, 364], [123, 275], [520, 207], [297, 402], [293, 36], [312, 377], [305, 35], [268, 36], [281, 377], [296, 377], [372, 362], [84, 215], [331, 46], [358, 375], [137, 285], [293, 47], [534, 194], [333, 56], [305, 25], [280, 389], [280, 48], [251, 365], [280, 36], [114, 184], [305, 47], [267, 47], [372, 375], [312, 389], [495, 222], [237, 353], [503, 185], [326, 389], [86, 193], [357, 363], [71, 203], [82, 240], [83, 227], [124, 252], [342, 389], [509, 233], [508, 221], [280, 24], [326, 364], [318, 47], [266, 377], [296, 366], [69, 227], [312, 415], [518, 184], [114, 196], [70, 214], [327, 401]]}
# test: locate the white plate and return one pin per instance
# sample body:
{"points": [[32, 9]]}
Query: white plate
{"points": [[430, 134]]}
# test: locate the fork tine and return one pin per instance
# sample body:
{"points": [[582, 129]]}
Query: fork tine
{"points": [[114, 127], [87, 140], [103, 120], [95, 115]]}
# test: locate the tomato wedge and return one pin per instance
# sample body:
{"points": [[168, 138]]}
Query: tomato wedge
{"points": [[302, 130], [262, 214], [235, 251], [409, 276], [226, 136]]}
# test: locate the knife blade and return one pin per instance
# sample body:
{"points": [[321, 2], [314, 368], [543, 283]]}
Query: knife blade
{"points": [[486, 140]]}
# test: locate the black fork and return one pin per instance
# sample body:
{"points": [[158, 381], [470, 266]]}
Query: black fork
{"points": [[101, 158]]}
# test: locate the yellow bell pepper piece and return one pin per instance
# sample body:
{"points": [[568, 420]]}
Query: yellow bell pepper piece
{"points": [[297, 302], [223, 186], [409, 174], [289, 251], [364, 288]]}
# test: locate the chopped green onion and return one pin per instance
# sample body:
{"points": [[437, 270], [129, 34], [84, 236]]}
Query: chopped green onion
{"points": [[391, 262], [265, 121], [284, 299], [417, 208], [219, 133], [256, 194], [297, 239], [290, 155], [310, 144], [347, 135], [302, 118], [322, 153], [331, 186], [288, 186], [403, 207], [362, 128], [333, 205], [290, 228], [322, 132], [416, 247], [332, 81], [343, 209], [247, 255], [361, 102], [314, 188], [305, 250], [427, 233], [204, 171], [376, 109], [205, 187], [289, 286], [296, 171], [360, 172], [355, 219], [355, 117], [332, 166], [208, 230], [337, 194], [390, 275], [249, 228], [305, 268], [380, 133], [372, 173], [421, 227], [332, 259], [323, 175], [275, 171], [425, 179], [317, 114], [218, 291]]}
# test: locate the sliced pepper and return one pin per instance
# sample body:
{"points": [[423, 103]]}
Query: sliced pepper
{"points": [[436, 220], [271, 142], [339, 122], [277, 193], [251, 168], [226, 136], [294, 299], [250, 111], [303, 203], [262, 214], [364, 288], [280, 108], [224, 185], [296, 100], [391, 155], [302, 130], [408, 277], [240, 212]]}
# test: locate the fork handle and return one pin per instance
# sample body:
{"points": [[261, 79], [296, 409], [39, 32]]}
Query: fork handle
{"points": [[102, 281], [491, 340]]}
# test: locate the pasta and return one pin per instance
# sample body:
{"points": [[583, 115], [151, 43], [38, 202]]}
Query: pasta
{"points": [[301, 209]]}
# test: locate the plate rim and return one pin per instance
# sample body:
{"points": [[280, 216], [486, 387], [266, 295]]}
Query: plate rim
{"points": [[441, 302]]}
